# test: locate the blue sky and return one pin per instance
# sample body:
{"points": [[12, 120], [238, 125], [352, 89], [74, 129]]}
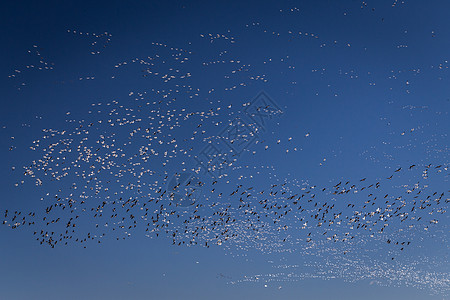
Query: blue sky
{"points": [[104, 102]]}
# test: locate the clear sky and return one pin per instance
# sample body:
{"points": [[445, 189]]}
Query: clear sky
{"points": [[224, 149]]}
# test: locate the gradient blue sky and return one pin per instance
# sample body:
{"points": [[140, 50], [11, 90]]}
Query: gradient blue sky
{"points": [[369, 92]]}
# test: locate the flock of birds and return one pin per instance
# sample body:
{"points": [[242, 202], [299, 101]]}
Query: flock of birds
{"points": [[103, 188], [108, 175]]}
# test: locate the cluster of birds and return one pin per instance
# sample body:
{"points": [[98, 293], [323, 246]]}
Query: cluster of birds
{"points": [[417, 273], [38, 62], [99, 41], [212, 37]]}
